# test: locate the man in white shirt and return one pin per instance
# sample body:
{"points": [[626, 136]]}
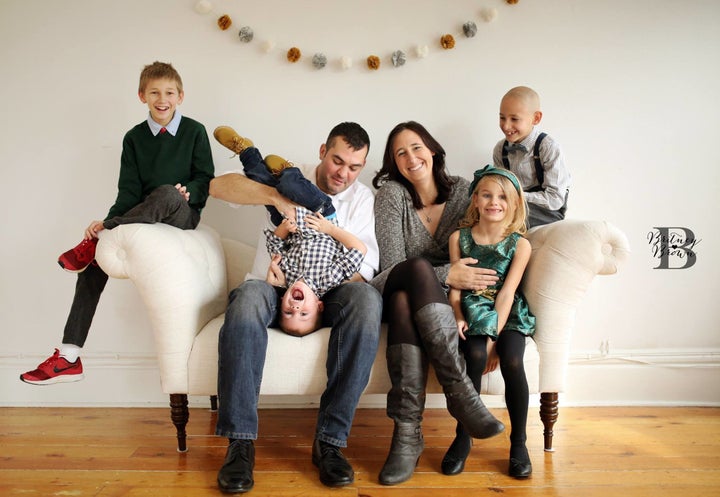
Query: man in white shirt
{"points": [[352, 310]]}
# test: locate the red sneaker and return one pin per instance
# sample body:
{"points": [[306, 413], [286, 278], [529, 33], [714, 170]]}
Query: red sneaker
{"points": [[55, 369], [77, 259]]}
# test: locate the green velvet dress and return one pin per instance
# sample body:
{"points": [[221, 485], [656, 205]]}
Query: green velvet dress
{"points": [[479, 306]]}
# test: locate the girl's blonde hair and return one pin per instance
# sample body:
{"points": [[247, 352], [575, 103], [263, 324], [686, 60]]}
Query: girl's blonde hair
{"points": [[517, 209]]}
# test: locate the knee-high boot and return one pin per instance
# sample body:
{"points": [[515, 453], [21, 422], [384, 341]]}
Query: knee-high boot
{"points": [[407, 367], [439, 333]]}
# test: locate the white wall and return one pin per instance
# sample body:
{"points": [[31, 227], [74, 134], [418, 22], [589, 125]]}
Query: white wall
{"points": [[628, 88]]}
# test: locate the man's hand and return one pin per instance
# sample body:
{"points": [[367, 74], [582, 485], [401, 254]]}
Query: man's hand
{"points": [[275, 276], [465, 277]]}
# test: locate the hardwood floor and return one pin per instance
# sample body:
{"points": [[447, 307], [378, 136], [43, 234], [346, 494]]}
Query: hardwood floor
{"points": [[603, 452]]}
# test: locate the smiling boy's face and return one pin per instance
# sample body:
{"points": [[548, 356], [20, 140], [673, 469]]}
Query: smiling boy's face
{"points": [[162, 97], [300, 310], [517, 117]]}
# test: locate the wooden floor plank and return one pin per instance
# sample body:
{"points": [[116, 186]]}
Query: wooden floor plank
{"points": [[603, 452]]}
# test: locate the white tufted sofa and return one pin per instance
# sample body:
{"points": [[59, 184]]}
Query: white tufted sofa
{"points": [[184, 278]]}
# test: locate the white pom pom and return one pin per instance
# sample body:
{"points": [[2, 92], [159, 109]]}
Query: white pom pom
{"points": [[203, 7], [345, 62], [268, 46], [422, 51], [488, 15]]}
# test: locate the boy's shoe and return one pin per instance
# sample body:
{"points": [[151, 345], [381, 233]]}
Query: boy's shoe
{"points": [[229, 138], [78, 258], [55, 369], [276, 164]]}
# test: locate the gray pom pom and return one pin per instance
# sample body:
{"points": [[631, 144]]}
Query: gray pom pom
{"points": [[319, 60], [398, 58], [470, 29], [246, 34]]}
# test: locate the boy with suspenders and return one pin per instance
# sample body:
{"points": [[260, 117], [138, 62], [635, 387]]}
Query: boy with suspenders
{"points": [[534, 157]]}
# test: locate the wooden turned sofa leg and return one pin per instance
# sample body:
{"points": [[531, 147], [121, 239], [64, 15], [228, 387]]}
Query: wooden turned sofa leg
{"points": [[180, 414], [548, 416]]}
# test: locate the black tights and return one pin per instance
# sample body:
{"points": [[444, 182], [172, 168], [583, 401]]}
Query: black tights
{"points": [[510, 347], [410, 286]]}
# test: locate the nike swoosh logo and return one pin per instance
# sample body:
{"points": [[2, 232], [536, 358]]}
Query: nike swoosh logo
{"points": [[56, 370]]}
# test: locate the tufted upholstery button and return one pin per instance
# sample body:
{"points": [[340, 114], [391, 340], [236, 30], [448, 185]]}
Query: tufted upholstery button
{"points": [[607, 249]]}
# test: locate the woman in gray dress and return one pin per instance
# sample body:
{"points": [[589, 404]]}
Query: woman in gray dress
{"points": [[417, 207]]}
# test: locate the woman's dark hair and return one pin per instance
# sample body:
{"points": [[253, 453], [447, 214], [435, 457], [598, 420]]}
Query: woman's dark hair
{"points": [[389, 171]]}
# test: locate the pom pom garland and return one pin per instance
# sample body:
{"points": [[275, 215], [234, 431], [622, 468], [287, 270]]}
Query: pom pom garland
{"points": [[398, 58], [246, 34], [294, 54], [447, 42], [203, 7], [470, 29], [373, 62], [319, 60], [224, 22], [488, 15]]}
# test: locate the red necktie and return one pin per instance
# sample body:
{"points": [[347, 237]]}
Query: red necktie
{"points": [[163, 130]]}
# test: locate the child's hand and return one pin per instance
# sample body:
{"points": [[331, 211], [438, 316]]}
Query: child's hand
{"points": [[319, 223], [93, 230], [492, 358], [275, 276], [286, 227], [462, 327], [183, 191]]}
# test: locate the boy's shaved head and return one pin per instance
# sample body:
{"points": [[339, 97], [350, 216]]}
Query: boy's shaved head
{"points": [[527, 95]]}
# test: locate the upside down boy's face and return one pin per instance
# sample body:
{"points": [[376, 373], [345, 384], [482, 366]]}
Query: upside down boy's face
{"points": [[162, 98], [300, 310]]}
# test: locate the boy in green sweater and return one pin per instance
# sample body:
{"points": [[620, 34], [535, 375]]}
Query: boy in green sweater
{"points": [[165, 171]]}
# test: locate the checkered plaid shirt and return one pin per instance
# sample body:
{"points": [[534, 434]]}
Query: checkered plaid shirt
{"points": [[316, 257]]}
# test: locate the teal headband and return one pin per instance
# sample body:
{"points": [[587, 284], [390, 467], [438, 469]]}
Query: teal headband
{"points": [[490, 170]]}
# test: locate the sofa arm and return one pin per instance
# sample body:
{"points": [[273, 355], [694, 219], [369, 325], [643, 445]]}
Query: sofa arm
{"points": [[181, 278], [566, 256]]}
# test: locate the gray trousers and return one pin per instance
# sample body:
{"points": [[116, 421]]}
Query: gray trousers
{"points": [[163, 205]]}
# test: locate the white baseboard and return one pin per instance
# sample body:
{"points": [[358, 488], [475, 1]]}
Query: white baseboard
{"points": [[652, 377]]}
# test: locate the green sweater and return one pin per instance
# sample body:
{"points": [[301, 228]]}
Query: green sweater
{"points": [[148, 162]]}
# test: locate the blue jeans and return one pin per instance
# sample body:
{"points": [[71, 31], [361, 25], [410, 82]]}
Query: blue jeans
{"points": [[352, 310], [290, 183], [162, 205]]}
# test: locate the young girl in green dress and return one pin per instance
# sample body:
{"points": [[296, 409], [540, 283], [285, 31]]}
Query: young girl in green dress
{"points": [[494, 323]]}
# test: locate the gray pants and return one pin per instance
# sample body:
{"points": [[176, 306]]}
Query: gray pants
{"points": [[163, 205]]}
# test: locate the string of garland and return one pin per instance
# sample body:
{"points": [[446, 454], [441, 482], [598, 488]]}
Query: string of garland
{"points": [[319, 60]]}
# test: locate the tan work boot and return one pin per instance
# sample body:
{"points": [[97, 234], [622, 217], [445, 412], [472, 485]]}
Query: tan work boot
{"points": [[229, 138], [276, 164]]}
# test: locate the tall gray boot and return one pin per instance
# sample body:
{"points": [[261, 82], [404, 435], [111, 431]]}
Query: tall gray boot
{"points": [[438, 330], [407, 367]]}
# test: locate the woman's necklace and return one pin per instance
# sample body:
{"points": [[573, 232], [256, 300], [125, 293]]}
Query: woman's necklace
{"points": [[425, 214]]}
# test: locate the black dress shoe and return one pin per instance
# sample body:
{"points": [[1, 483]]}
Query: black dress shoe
{"points": [[335, 470], [236, 474], [520, 469], [454, 461]]}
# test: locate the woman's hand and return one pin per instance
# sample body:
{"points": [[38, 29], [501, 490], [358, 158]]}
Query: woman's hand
{"points": [[462, 328], [463, 276], [183, 191]]}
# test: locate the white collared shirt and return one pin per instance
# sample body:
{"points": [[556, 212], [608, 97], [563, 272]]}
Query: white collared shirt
{"points": [[171, 128], [355, 213]]}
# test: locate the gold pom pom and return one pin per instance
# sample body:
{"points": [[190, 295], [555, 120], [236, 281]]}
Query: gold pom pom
{"points": [[224, 22], [373, 62], [293, 55], [512, 2], [447, 42]]}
